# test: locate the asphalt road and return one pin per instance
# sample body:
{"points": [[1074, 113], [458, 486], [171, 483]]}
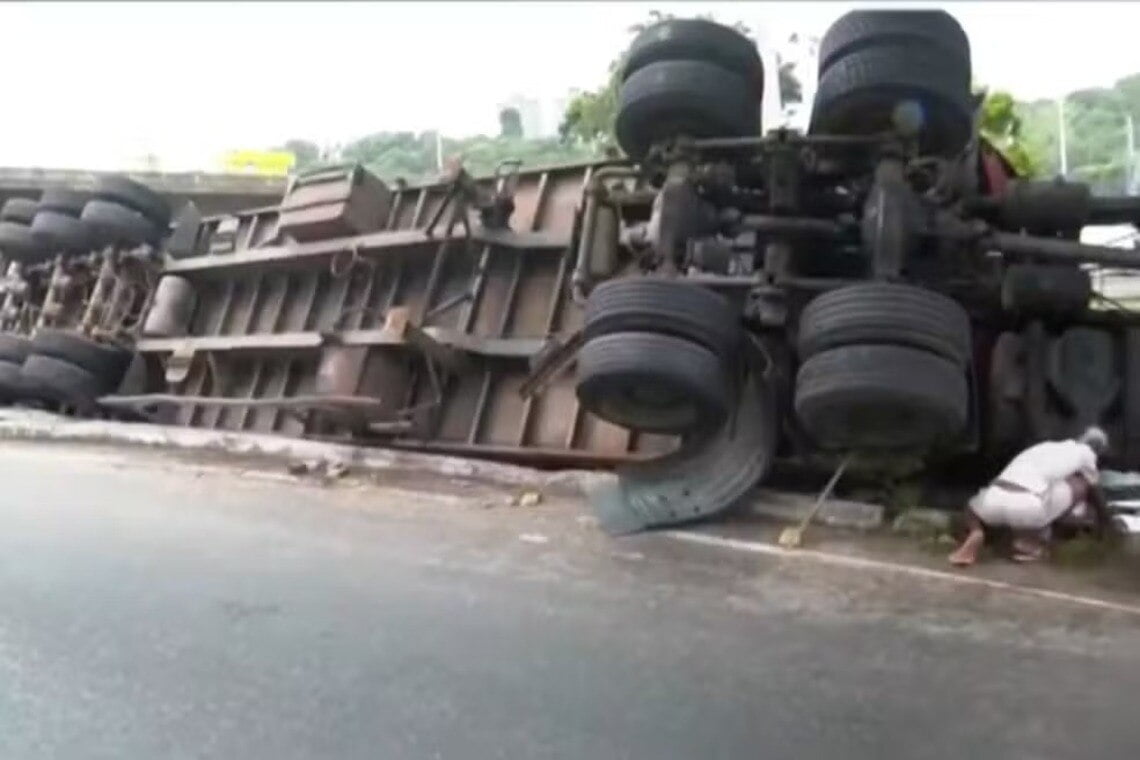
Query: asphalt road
{"points": [[148, 610]]}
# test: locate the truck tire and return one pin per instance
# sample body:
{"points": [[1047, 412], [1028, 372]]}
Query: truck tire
{"points": [[708, 475], [935, 32], [60, 381], [18, 244], [187, 228], [134, 195], [18, 210], [58, 231], [668, 99], [861, 94], [880, 397], [1006, 424], [696, 40], [105, 362], [14, 348], [885, 313], [666, 307], [652, 383], [115, 224], [11, 382], [63, 200]]}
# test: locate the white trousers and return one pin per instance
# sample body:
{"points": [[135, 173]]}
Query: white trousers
{"points": [[1021, 510]]}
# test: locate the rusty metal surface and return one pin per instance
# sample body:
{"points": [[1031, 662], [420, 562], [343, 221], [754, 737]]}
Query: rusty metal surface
{"points": [[434, 324]]}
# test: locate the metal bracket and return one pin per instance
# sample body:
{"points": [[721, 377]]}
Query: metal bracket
{"points": [[398, 323], [464, 193], [550, 360], [178, 364]]}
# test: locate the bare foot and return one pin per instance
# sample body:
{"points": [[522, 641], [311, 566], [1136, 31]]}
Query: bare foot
{"points": [[967, 554], [1028, 556], [963, 558], [1028, 549]]}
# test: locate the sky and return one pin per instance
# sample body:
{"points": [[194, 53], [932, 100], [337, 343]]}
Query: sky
{"points": [[95, 85]]}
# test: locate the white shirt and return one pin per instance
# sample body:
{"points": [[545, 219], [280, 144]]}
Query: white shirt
{"points": [[1043, 464]]}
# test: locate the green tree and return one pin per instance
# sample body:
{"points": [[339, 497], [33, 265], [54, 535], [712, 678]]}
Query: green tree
{"points": [[413, 157], [1098, 141], [394, 154], [1001, 124], [589, 116], [791, 90], [305, 153]]}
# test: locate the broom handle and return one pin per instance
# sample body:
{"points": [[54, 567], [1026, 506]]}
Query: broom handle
{"points": [[825, 493]]}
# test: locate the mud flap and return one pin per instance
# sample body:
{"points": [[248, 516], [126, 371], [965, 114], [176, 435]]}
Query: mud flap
{"points": [[703, 478]]}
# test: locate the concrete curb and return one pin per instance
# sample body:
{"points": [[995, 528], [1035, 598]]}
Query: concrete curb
{"points": [[834, 513], [34, 425]]}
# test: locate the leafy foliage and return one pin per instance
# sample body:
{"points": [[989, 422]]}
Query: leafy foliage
{"points": [[413, 157], [305, 153], [1001, 124], [589, 116], [791, 91], [1097, 134]]}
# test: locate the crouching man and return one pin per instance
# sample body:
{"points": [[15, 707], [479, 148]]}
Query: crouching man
{"points": [[1040, 485]]}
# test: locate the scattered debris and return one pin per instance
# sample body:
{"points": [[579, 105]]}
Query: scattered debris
{"points": [[326, 469], [301, 467], [335, 469], [526, 499]]}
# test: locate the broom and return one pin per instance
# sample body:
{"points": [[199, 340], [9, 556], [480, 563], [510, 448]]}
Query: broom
{"points": [[791, 538]]}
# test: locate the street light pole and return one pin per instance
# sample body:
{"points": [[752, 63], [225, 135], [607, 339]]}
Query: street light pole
{"points": [[1061, 133], [1130, 152]]}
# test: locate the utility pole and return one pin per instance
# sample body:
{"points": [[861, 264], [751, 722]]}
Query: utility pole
{"points": [[1061, 133], [1130, 152]]}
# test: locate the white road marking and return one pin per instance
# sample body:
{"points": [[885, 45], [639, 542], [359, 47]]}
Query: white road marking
{"points": [[862, 563]]}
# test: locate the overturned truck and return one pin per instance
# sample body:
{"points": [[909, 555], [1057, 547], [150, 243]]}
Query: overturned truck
{"points": [[883, 283]]}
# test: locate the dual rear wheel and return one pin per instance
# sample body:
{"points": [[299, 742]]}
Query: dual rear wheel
{"points": [[60, 366], [119, 211], [670, 357], [691, 78], [883, 366], [905, 71], [658, 355]]}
